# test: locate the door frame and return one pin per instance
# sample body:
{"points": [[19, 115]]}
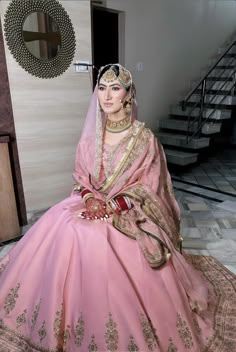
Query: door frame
{"points": [[121, 31]]}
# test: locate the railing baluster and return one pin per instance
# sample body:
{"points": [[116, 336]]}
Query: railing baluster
{"points": [[204, 90], [202, 101]]}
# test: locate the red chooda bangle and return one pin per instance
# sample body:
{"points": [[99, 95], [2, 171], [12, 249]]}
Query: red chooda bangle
{"points": [[121, 202]]}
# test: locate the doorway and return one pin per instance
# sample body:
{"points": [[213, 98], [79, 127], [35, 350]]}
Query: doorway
{"points": [[105, 38]]}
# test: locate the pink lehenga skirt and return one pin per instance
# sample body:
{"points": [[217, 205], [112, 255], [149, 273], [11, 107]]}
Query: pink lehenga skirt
{"points": [[77, 285]]}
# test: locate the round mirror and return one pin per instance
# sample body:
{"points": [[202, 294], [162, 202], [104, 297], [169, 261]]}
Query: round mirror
{"points": [[41, 35]]}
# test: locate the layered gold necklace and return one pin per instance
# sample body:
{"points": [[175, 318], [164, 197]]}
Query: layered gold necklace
{"points": [[118, 126]]}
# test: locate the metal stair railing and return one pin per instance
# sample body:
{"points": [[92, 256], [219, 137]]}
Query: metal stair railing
{"points": [[201, 104]]}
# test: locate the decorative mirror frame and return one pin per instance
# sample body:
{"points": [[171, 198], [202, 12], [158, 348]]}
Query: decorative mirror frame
{"points": [[14, 19]]}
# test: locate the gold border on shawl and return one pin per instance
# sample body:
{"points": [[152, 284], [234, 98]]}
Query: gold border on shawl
{"points": [[149, 213], [109, 181]]}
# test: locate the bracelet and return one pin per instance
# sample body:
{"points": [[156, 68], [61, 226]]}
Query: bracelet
{"points": [[120, 204], [112, 203], [86, 194], [120, 201], [128, 202]]}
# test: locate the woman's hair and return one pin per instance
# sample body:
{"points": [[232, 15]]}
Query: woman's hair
{"points": [[123, 75], [103, 69]]}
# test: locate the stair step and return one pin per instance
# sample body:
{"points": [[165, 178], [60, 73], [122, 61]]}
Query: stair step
{"points": [[180, 125], [217, 84], [221, 72], [221, 66], [213, 106], [228, 60], [218, 99], [180, 158], [214, 92], [222, 79], [179, 140], [212, 113], [222, 84]]}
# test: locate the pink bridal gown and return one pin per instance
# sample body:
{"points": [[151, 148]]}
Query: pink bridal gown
{"points": [[77, 285]]}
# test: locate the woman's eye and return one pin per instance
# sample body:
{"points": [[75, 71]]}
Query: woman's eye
{"points": [[116, 88], [101, 88]]}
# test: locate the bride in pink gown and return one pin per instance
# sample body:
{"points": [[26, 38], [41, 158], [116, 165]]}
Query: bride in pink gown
{"points": [[103, 270]]}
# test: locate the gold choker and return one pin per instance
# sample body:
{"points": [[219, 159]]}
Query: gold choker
{"points": [[118, 126]]}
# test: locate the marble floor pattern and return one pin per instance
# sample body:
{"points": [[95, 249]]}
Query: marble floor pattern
{"points": [[208, 227], [218, 171]]}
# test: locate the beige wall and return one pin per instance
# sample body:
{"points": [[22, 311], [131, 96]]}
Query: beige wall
{"points": [[49, 115], [174, 40]]}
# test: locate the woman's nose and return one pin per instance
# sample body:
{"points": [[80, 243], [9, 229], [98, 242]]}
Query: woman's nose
{"points": [[107, 94]]}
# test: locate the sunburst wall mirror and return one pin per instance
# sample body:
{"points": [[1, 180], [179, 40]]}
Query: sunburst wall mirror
{"points": [[40, 36]]}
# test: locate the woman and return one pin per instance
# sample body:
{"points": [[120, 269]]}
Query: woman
{"points": [[103, 270]]}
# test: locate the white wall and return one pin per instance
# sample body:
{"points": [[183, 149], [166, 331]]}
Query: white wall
{"points": [[49, 115], [174, 40]]}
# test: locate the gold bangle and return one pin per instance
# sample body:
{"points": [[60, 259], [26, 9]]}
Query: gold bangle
{"points": [[87, 196]]}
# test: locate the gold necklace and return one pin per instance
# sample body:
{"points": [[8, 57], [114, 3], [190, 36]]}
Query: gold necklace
{"points": [[118, 126]]}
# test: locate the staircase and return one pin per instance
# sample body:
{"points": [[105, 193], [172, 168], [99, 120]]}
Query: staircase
{"points": [[188, 130]]}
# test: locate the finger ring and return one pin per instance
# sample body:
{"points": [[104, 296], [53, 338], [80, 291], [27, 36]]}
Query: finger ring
{"points": [[106, 216], [95, 208]]}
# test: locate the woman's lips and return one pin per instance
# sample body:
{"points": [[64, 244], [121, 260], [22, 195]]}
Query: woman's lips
{"points": [[108, 104]]}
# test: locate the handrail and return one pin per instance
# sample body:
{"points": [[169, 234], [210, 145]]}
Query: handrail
{"points": [[201, 104], [209, 72]]}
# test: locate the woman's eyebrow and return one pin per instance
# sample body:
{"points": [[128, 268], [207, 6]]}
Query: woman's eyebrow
{"points": [[111, 85]]}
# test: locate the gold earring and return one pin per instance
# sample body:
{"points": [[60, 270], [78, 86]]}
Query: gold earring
{"points": [[122, 104], [128, 107]]}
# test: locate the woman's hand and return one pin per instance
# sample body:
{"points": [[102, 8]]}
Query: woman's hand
{"points": [[95, 209]]}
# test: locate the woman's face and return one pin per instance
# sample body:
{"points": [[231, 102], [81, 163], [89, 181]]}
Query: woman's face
{"points": [[111, 95]]}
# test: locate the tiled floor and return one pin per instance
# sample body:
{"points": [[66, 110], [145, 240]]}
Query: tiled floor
{"points": [[218, 172], [209, 228], [208, 217]]}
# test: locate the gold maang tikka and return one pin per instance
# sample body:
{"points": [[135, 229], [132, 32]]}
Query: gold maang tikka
{"points": [[124, 76], [109, 76]]}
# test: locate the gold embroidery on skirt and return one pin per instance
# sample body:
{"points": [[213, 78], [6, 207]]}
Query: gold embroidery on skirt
{"points": [[149, 333], [132, 347], [3, 267], [35, 315], [11, 298], [57, 322], [42, 331], [66, 336], [111, 335], [12, 340], [184, 332], [79, 331], [21, 319], [172, 347], [92, 346], [223, 288], [196, 325]]}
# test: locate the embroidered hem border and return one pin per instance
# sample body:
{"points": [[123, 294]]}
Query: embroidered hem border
{"points": [[223, 283]]}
